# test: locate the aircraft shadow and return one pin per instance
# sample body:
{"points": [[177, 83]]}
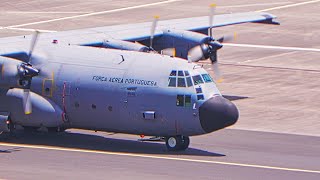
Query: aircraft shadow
{"points": [[96, 142], [234, 98]]}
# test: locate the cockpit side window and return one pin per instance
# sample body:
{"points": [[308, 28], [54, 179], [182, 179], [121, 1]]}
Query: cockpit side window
{"points": [[180, 100], [197, 79], [183, 100], [189, 81], [206, 78], [172, 82]]}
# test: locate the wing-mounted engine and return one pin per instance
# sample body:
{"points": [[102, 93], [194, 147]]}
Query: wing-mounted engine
{"points": [[120, 44], [124, 45], [189, 39], [44, 111]]}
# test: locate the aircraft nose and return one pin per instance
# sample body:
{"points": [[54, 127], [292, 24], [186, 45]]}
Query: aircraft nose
{"points": [[217, 113]]}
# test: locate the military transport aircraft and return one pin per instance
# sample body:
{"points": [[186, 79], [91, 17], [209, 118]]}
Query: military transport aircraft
{"points": [[118, 79]]}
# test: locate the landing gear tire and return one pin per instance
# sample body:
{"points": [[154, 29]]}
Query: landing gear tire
{"points": [[177, 143], [185, 142]]}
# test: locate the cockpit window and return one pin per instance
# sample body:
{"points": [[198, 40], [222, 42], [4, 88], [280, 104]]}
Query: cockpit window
{"points": [[189, 81], [180, 73], [197, 79], [181, 82], [180, 78], [173, 73], [206, 78], [172, 82]]}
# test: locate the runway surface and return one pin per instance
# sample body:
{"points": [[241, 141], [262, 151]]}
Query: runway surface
{"points": [[276, 137], [229, 154]]}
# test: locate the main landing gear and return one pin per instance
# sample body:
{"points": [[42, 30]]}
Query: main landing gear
{"points": [[177, 143]]}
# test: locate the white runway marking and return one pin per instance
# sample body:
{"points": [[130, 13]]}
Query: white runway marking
{"points": [[288, 6], [44, 12], [273, 47], [266, 57], [27, 29], [96, 13], [253, 5], [159, 157]]}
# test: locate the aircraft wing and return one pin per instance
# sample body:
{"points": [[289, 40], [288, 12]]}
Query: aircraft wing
{"points": [[141, 31]]}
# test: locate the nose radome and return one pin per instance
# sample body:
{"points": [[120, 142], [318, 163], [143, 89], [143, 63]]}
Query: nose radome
{"points": [[217, 113]]}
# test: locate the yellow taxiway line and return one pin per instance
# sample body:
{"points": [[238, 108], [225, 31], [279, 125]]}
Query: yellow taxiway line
{"points": [[158, 157]]}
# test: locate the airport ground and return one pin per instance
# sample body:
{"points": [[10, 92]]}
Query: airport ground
{"points": [[276, 137]]}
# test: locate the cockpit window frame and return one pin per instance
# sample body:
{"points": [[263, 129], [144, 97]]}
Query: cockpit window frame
{"points": [[172, 80], [206, 78], [195, 81], [181, 82], [173, 73]]}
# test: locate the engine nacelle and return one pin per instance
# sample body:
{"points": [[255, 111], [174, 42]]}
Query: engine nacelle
{"points": [[44, 111], [188, 36], [124, 45], [9, 72]]}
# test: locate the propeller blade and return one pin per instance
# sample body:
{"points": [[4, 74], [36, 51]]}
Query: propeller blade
{"points": [[189, 58], [153, 29], [27, 102], [215, 66], [217, 72], [33, 44], [211, 18], [195, 54], [228, 38], [169, 52]]}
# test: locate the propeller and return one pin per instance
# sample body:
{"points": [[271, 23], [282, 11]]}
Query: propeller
{"points": [[153, 30], [26, 72], [208, 49]]}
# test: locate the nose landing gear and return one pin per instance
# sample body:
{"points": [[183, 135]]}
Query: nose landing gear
{"points": [[177, 143]]}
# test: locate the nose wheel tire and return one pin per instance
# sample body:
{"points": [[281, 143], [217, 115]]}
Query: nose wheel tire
{"points": [[177, 143]]}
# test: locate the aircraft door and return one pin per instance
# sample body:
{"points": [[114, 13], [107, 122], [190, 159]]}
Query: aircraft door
{"points": [[129, 102]]}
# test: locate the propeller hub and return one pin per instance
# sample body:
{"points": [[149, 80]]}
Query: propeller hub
{"points": [[27, 71]]}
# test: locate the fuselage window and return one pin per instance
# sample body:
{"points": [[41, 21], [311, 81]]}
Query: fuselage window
{"points": [[197, 79], [198, 90], [187, 100], [200, 97], [186, 73], [172, 82], [189, 81], [180, 100], [173, 73], [180, 73], [181, 82], [206, 78], [183, 100]]}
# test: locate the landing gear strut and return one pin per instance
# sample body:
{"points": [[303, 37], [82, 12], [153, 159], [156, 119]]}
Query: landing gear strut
{"points": [[177, 143]]}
